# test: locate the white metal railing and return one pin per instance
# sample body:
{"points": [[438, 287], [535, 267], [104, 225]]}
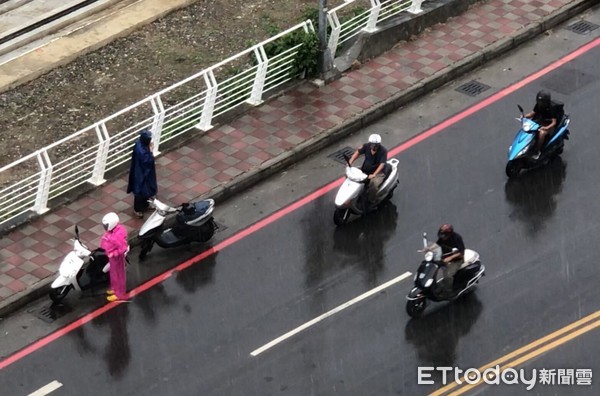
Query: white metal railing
{"points": [[191, 103], [371, 12]]}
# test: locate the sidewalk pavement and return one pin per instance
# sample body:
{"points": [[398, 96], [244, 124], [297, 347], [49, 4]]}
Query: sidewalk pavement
{"points": [[232, 157]]}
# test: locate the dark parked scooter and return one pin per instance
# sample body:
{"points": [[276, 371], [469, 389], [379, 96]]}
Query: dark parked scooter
{"points": [[426, 279], [170, 226]]}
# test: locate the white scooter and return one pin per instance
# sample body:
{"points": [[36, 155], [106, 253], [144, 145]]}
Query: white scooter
{"points": [[350, 198], [77, 273]]}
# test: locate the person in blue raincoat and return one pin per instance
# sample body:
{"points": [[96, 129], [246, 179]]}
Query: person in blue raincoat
{"points": [[142, 174]]}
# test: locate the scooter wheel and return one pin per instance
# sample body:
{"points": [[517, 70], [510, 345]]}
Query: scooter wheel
{"points": [[145, 249], [414, 308], [341, 216], [389, 196], [513, 168], [58, 294], [206, 232]]}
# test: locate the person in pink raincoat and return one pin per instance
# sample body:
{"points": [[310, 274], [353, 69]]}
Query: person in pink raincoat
{"points": [[114, 243]]}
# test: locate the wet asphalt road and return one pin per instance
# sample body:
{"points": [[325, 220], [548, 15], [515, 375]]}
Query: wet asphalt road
{"points": [[537, 236]]}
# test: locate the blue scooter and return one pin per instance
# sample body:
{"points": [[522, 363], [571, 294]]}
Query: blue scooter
{"points": [[521, 151]]}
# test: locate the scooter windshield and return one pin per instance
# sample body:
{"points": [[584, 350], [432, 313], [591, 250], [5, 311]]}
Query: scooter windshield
{"points": [[162, 206], [355, 174], [529, 125]]}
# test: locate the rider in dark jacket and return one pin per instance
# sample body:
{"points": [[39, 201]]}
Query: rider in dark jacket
{"points": [[545, 114], [374, 164], [449, 240]]}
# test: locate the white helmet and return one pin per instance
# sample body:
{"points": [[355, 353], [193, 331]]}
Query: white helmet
{"points": [[110, 221], [375, 139]]}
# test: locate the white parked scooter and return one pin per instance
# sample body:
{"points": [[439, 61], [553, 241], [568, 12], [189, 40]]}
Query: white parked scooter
{"points": [[351, 195], [77, 273]]}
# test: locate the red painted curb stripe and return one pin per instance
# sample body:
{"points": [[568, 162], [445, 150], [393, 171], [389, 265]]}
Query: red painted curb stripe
{"points": [[312, 196]]}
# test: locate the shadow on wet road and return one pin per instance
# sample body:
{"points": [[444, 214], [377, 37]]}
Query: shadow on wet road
{"points": [[436, 334], [534, 194]]}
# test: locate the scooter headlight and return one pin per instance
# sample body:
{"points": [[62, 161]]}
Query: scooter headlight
{"points": [[428, 256], [523, 151]]}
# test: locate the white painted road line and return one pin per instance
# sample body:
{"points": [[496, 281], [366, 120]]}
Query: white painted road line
{"points": [[46, 389], [330, 313]]}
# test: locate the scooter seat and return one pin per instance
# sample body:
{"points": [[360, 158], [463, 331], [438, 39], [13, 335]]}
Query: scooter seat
{"points": [[193, 212], [388, 169]]}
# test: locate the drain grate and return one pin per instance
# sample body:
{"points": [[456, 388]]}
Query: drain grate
{"points": [[472, 88], [339, 155], [220, 226], [53, 312], [582, 27]]}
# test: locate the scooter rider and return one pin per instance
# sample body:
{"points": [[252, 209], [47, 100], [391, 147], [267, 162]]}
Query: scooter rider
{"points": [[544, 114], [448, 240], [374, 164]]}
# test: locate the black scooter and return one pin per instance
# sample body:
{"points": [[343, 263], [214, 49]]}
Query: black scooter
{"points": [[426, 279], [172, 226]]}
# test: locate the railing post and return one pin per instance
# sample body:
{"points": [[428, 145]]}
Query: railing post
{"points": [[209, 102], [261, 75], [101, 155], [336, 28], [308, 26], [415, 7], [373, 16], [157, 122], [43, 192]]}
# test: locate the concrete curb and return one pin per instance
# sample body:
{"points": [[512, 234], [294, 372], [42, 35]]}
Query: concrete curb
{"points": [[359, 121]]}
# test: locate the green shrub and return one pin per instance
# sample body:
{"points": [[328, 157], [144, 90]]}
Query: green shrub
{"points": [[306, 56]]}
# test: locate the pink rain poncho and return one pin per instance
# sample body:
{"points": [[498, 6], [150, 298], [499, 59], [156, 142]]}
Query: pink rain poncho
{"points": [[115, 244]]}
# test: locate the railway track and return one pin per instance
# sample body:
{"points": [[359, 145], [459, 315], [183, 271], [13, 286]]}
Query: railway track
{"points": [[25, 21]]}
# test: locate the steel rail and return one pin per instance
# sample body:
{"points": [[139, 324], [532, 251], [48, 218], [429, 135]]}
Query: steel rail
{"points": [[49, 19]]}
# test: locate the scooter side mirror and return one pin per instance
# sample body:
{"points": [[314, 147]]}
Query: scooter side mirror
{"points": [[520, 108], [347, 159], [76, 232]]}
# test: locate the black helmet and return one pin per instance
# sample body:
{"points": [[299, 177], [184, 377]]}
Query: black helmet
{"points": [[543, 98], [445, 230]]}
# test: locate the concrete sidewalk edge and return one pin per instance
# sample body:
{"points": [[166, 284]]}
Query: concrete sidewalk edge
{"points": [[378, 111]]}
